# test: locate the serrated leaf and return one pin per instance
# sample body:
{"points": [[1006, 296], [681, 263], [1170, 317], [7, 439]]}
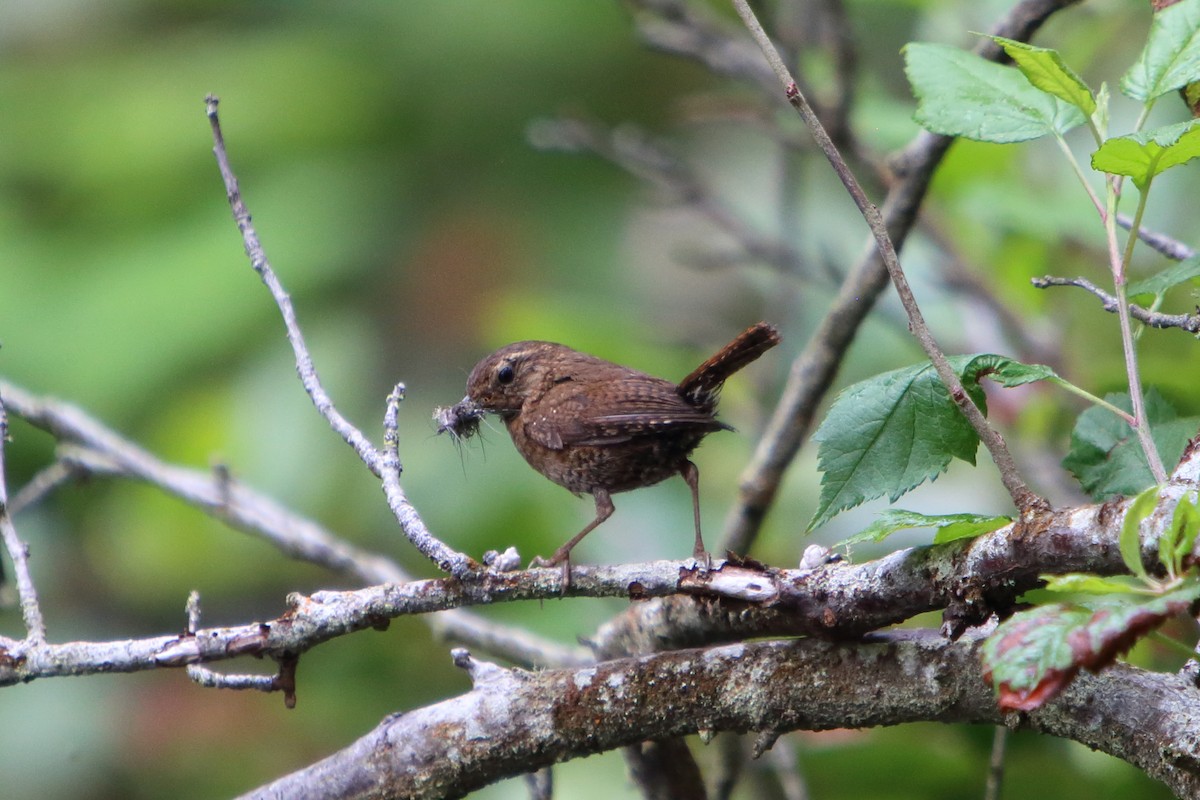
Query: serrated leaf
{"points": [[954, 526], [1142, 156], [1046, 70], [962, 94], [1172, 276], [888, 434], [1131, 540], [1082, 583], [1171, 57], [1034, 654], [1106, 456]]}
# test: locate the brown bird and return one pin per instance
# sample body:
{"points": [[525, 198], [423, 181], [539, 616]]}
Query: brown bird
{"points": [[597, 427]]}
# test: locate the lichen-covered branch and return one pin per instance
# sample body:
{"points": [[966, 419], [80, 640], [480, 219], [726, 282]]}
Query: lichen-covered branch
{"points": [[514, 721]]}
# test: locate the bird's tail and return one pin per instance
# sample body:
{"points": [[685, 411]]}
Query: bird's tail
{"points": [[703, 385]]}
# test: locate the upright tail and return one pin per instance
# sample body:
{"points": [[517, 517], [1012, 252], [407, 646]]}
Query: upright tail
{"points": [[702, 386]]}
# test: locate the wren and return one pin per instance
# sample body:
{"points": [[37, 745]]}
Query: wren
{"points": [[599, 428]]}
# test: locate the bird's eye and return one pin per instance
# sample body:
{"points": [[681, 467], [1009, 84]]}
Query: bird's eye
{"points": [[505, 374]]}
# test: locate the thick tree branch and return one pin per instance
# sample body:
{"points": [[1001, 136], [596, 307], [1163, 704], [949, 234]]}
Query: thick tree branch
{"points": [[515, 721], [967, 578]]}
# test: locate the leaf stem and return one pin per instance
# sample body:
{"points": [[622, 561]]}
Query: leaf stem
{"points": [[1091, 398], [1120, 266], [1079, 173]]}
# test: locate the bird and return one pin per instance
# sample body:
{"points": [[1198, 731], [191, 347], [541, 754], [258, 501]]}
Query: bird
{"points": [[600, 428]]}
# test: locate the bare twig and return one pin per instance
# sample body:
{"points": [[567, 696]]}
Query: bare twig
{"points": [[540, 784], [784, 760], [209, 678], [1186, 322], [40, 485], [1159, 242], [35, 625], [688, 29], [258, 260], [446, 558], [995, 775], [414, 528], [634, 152]]}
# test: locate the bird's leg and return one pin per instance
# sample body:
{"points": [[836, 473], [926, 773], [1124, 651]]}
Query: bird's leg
{"points": [[604, 510], [692, 476]]}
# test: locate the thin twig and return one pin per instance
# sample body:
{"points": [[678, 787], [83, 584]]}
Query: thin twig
{"points": [[540, 784], [40, 485], [414, 528], [447, 559], [1185, 322], [1159, 242], [632, 150], [785, 763], [35, 625], [1026, 501], [995, 775], [210, 678], [258, 260]]}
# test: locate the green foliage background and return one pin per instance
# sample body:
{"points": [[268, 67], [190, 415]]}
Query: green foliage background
{"points": [[382, 149]]}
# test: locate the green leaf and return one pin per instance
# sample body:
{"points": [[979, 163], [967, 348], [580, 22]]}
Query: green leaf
{"points": [[1106, 456], [1035, 654], [1171, 57], [1185, 525], [1172, 276], [1082, 583], [1101, 117], [888, 434], [962, 94], [1046, 70], [948, 526], [1131, 540], [968, 528], [1142, 156], [1013, 373]]}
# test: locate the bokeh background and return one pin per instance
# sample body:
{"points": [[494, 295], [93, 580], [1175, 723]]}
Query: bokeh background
{"points": [[384, 152]]}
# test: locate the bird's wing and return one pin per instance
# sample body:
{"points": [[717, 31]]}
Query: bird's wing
{"points": [[581, 415]]}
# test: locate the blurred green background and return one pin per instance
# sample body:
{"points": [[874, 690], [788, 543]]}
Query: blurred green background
{"points": [[382, 149]]}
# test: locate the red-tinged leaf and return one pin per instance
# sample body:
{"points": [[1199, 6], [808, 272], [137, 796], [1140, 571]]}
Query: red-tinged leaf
{"points": [[1028, 658], [1035, 654], [1112, 630]]}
